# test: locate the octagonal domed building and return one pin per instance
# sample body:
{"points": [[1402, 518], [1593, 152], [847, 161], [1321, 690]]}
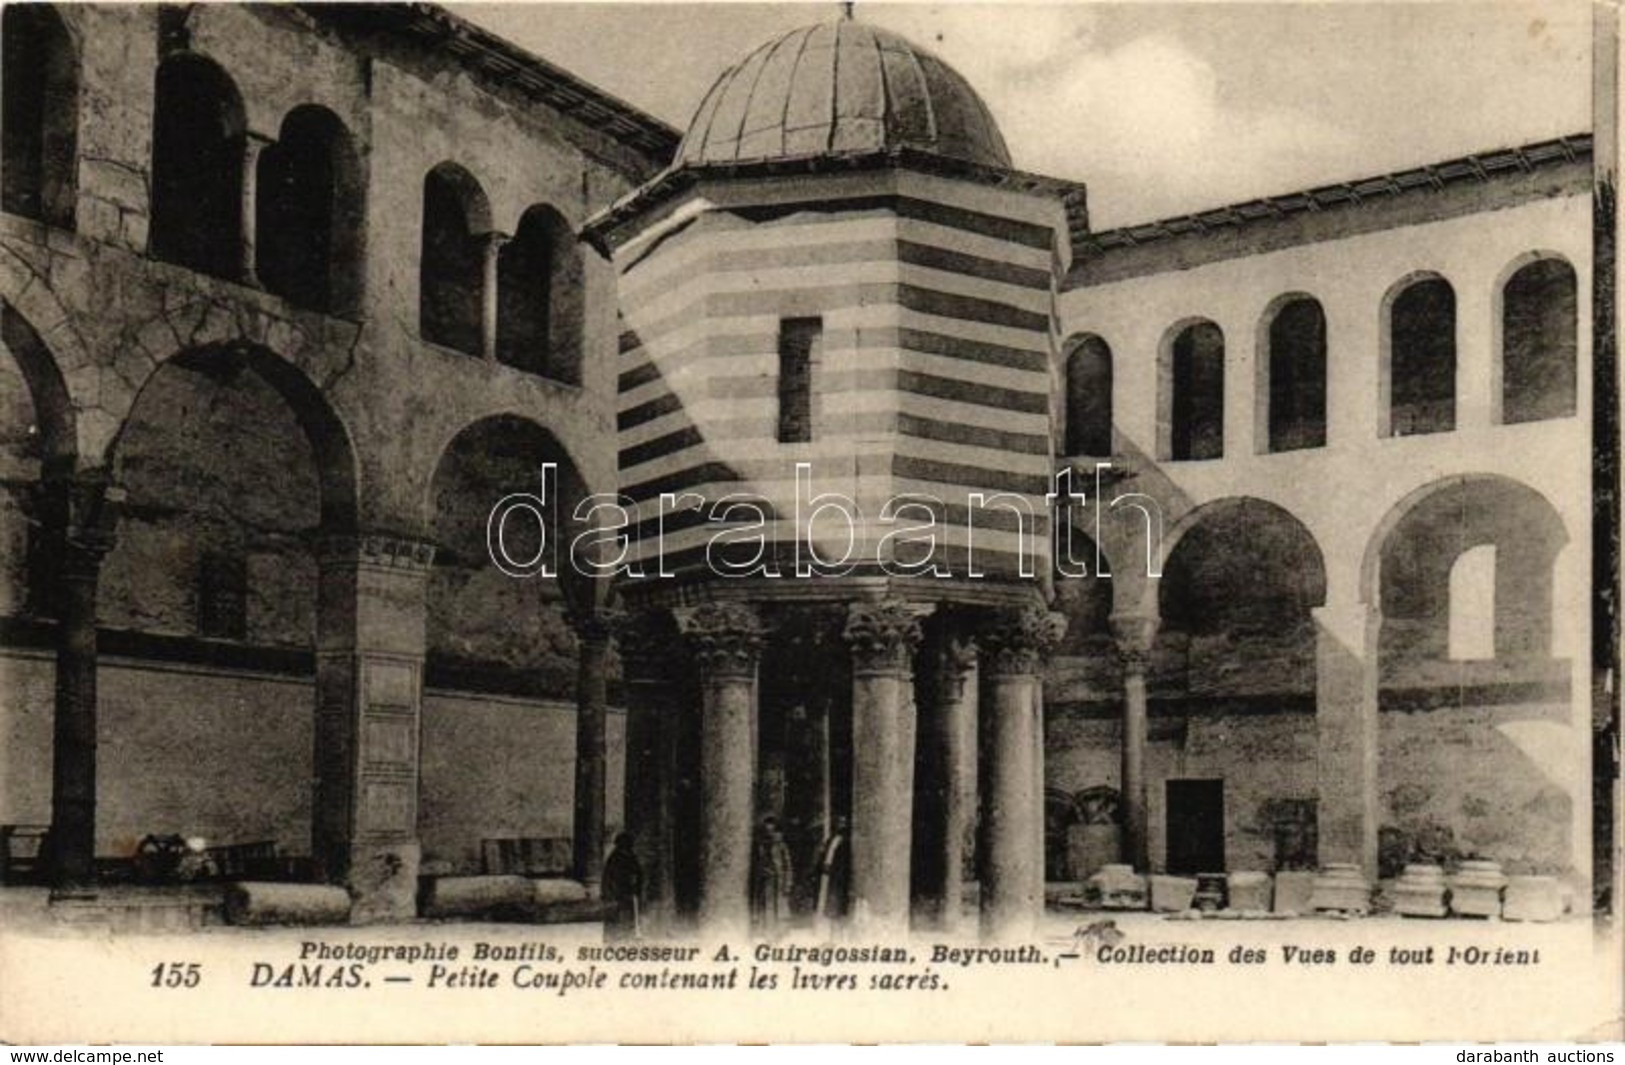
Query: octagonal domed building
{"points": [[838, 303], [840, 265]]}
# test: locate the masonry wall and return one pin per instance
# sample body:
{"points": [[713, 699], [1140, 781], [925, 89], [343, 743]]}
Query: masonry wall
{"points": [[1491, 759], [228, 756], [497, 768], [1455, 782], [1261, 757], [213, 735]]}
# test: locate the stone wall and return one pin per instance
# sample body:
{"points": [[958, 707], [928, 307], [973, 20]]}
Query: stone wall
{"points": [[496, 768], [1452, 781], [1481, 780], [244, 428], [228, 756], [1262, 758]]}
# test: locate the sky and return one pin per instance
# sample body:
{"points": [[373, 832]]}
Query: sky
{"points": [[1159, 108]]}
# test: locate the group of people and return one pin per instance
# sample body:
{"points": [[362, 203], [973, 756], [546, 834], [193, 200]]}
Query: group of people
{"points": [[772, 883]]}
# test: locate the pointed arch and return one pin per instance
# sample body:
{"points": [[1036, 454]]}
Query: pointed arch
{"points": [[1538, 325], [1411, 555], [311, 205], [1292, 365], [451, 266], [1418, 372], [1191, 393], [198, 138], [330, 441], [539, 297], [48, 391], [1088, 414], [40, 120]]}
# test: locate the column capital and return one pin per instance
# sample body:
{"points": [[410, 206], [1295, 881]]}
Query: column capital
{"points": [[84, 510], [726, 637], [492, 240], [959, 653], [1134, 635], [955, 659], [1014, 642], [1348, 621], [883, 634], [377, 550]]}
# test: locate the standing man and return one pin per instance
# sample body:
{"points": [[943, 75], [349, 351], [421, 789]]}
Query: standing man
{"points": [[623, 889], [771, 879], [835, 876]]}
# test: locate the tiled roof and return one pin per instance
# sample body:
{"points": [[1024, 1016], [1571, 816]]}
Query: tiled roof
{"points": [[1482, 167], [506, 63]]}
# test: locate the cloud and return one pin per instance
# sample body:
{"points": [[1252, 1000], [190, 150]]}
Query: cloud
{"points": [[1144, 122], [1009, 43]]}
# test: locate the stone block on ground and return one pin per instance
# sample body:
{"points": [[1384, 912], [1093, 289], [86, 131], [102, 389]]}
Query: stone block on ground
{"points": [[1249, 892], [253, 903], [1341, 888], [476, 896], [557, 900], [1293, 891], [1172, 894], [1421, 891], [1119, 887], [551, 890], [1475, 891], [1533, 898]]}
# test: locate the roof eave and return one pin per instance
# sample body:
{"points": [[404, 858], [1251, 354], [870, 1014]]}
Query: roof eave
{"points": [[506, 63], [607, 230]]}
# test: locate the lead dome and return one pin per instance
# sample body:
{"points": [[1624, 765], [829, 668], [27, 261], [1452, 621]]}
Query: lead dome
{"points": [[840, 88]]}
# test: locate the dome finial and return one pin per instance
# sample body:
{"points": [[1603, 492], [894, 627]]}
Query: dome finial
{"points": [[849, 9]]}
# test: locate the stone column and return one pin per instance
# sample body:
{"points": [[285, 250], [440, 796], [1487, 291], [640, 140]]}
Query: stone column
{"points": [[253, 145], [1346, 722], [726, 639], [80, 517], [594, 630], [649, 663], [491, 245], [882, 636], [1013, 650], [369, 678], [948, 744], [1134, 636]]}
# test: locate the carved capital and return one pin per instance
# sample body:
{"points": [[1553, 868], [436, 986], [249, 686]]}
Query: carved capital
{"points": [[1134, 634], [255, 142], [726, 638], [80, 512], [955, 660], [391, 552], [883, 634], [1016, 641], [493, 241]]}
